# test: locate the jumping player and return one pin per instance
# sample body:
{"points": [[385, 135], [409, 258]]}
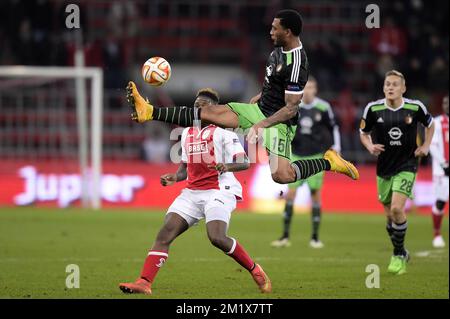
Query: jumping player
{"points": [[271, 115], [393, 122], [439, 153], [209, 156], [316, 132]]}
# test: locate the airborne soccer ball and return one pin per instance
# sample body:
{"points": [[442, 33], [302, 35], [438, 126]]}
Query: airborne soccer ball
{"points": [[156, 71]]}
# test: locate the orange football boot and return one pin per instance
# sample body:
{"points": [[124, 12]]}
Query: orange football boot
{"points": [[140, 286], [142, 109], [261, 279]]}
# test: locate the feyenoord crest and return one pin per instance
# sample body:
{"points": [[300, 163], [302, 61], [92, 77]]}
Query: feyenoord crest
{"points": [[408, 119], [362, 124]]}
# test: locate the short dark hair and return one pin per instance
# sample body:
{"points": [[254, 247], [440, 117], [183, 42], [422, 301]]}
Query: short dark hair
{"points": [[209, 93], [291, 19]]}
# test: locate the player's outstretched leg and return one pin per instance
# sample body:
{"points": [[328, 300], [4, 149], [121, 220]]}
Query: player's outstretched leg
{"points": [[174, 226], [216, 230], [143, 111]]}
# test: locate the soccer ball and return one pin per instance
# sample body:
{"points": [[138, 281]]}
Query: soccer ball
{"points": [[156, 71]]}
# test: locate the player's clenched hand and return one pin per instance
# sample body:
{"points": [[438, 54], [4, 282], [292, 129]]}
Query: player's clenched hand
{"points": [[221, 167], [376, 149], [421, 151], [168, 179]]}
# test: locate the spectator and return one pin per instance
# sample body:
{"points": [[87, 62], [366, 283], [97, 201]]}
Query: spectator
{"points": [[389, 39]]}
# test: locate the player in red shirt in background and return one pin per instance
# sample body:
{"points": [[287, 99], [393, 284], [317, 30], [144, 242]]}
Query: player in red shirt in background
{"points": [[439, 152], [209, 156]]}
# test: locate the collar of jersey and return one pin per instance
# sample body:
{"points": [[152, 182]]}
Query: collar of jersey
{"points": [[292, 50], [392, 109]]}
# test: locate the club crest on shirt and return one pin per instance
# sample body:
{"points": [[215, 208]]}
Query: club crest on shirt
{"points": [[362, 124], [408, 119], [205, 134]]}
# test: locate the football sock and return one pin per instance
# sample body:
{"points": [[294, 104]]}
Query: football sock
{"points": [[316, 212], [180, 115], [306, 168], [238, 253], [398, 238], [437, 221], [389, 229], [153, 262], [287, 217]]}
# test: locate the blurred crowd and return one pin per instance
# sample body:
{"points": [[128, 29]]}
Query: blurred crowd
{"points": [[413, 38]]}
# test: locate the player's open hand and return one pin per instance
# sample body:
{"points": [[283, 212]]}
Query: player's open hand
{"points": [[376, 149], [221, 167], [168, 179], [422, 151]]}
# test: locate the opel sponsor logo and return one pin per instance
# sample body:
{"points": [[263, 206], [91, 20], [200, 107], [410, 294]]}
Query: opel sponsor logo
{"points": [[395, 133]]}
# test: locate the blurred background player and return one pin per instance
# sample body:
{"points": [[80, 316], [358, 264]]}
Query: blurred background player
{"points": [[439, 153], [393, 122], [209, 156], [272, 113], [316, 132]]}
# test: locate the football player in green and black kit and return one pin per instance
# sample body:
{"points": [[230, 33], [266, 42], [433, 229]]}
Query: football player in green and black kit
{"points": [[393, 123], [270, 115], [316, 132]]}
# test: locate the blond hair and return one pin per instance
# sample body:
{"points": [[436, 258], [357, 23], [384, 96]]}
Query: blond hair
{"points": [[395, 73]]}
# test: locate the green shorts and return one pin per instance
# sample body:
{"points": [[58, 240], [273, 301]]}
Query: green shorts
{"points": [[403, 183], [314, 182], [277, 139]]}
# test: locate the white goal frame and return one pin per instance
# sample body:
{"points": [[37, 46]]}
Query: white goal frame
{"points": [[92, 196]]}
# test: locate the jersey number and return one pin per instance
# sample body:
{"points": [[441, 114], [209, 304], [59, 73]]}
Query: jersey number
{"points": [[406, 185], [281, 145]]}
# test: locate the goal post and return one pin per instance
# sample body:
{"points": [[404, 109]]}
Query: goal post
{"points": [[92, 195]]}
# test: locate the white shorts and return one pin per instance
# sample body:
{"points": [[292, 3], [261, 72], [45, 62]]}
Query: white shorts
{"points": [[194, 205], [440, 187]]}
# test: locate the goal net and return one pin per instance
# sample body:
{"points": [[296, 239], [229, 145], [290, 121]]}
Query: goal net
{"points": [[51, 133]]}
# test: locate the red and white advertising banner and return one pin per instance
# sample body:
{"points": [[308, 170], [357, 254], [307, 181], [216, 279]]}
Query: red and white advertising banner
{"points": [[136, 184]]}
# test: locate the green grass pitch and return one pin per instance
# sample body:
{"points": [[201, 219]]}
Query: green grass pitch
{"points": [[109, 247]]}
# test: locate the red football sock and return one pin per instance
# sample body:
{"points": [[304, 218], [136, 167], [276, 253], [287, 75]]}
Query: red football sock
{"points": [[239, 254], [153, 262], [437, 222]]}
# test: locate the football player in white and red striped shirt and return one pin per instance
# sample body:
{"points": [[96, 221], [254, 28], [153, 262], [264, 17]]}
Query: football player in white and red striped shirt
{"points": [[439, 152], [209, 156]]}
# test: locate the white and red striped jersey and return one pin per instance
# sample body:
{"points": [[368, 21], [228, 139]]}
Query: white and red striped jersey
{"points": [[439, 144], [206, 146]]}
